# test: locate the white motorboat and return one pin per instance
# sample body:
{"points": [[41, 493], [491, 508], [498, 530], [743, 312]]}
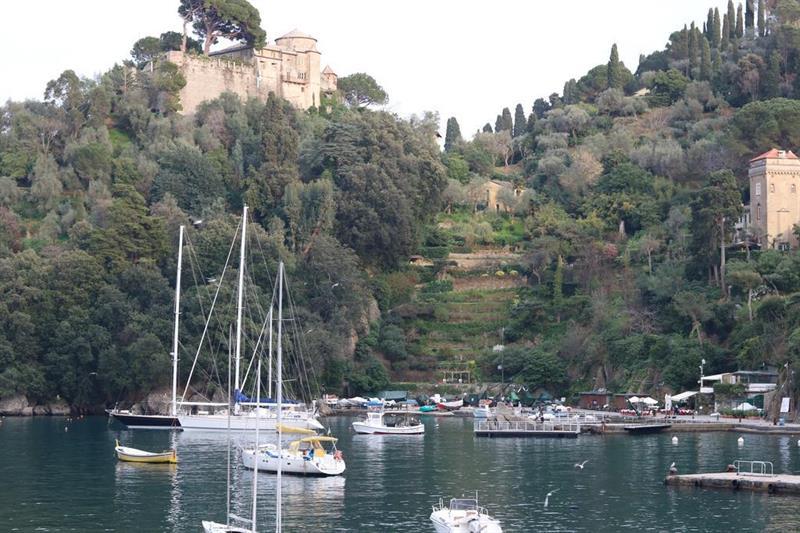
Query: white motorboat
{"points": [[374, 423], [482, 412], [305, 456], [214, 527], [453, 405], [463, 516]]}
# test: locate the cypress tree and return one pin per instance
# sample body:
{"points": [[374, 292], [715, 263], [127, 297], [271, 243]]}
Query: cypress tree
{"points": [[452, 136], [725, 36], [739, 23], [498, 124], [772, 78], [520, 122], [749, 19], [693, 51], [715, 29], [731, 20], [506, 121], [762, 19], [487, 128], [709, 23], [614, 69], [531, 123], [705, 60]]}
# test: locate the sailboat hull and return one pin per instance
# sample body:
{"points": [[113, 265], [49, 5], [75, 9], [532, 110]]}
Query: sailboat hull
{"points": [[292, 463], [243, 422], [145, 421]]}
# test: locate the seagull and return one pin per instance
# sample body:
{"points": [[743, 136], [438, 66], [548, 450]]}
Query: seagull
{"points": [[581, 465], [672, 469], [335, 285], [547, 498], [197, 223]]}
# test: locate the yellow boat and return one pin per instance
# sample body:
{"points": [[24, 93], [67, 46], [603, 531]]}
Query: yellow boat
{"points": [[132, 455]]}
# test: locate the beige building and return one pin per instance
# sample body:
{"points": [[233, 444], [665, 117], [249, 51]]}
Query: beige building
{"points": [[774, 199], [496, 196], [290, 68]]}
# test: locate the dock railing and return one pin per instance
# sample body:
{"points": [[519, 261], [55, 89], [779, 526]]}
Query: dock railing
{"points": [[754, 468], [565, 425]]}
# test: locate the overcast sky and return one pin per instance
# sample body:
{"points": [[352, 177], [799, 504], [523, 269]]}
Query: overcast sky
{"points": [[462, 58]]}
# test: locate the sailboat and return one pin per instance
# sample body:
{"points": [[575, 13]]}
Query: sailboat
{"points": [[144, 421], [307, 455]]}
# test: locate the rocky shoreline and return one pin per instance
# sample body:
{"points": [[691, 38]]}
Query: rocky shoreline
{"points": [[20, 406]]}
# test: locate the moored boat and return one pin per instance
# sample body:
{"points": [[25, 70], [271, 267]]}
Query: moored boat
{"points": [[305, 456], [450, 406], [132, 455], [374, 424], [463, 515]]}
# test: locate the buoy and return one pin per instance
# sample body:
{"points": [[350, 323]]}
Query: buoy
{"points": [[675, 441], [740, 441], [798, 443]]}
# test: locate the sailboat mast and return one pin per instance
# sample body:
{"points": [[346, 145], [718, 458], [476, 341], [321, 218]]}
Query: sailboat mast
{"points": [[255, 451], [239, 300], [177, 320], [269, 371], [278, 519]]}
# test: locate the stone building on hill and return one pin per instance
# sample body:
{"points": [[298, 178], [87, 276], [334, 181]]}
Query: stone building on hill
{"points": [[496, 196], [774, 199], [290, 68]]}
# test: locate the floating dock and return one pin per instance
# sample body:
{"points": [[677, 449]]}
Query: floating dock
{"points": [[530, 429], [752, 475]]}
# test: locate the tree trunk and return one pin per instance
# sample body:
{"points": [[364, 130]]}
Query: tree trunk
{"points": [[696, 326], [649, 262], [750, 303], [184, 38]]}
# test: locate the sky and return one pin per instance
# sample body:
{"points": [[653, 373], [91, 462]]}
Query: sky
{"points": [[461, 58]]}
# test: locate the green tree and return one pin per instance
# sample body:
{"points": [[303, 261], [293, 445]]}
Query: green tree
{"points": [[361, 90], [705, 60], [693, 305], [749, 18], [145, 50], [668, 88], [487, 128], [520, 121], [614, 70], [762, 19], [726, 33], [731, 20], [739, 23], [452, 136], [715, 31], [506, 122], [746, 278], [236, 20]]}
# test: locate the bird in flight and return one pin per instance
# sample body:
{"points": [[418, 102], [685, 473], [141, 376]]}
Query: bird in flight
{"points": [[547, 498], [580, 466]]}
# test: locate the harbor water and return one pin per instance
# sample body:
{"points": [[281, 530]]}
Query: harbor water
{"points": [[61, 475]]}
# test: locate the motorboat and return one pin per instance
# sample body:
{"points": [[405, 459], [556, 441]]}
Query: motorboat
{"points": [[215, 527], [304, 456], [402, 423], [463, 515], [450, 406], [132, 455], [482, 412]]}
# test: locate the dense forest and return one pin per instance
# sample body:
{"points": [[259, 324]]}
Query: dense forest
{"points": [[627, 176]]}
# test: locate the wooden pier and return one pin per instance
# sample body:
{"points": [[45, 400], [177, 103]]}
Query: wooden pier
{"points": [[752, 475], [530, 429]]}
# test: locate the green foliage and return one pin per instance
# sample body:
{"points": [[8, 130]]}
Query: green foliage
{"points": [[668, 88], [361, 90], [236, 20], [452, 136]]}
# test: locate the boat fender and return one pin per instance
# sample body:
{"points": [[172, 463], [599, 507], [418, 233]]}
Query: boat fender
{"points": [[339, 456], [735, 484], [697, 483], [771, 488]]}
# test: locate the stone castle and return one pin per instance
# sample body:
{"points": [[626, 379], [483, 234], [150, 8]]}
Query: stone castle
{"points": [[774, 199], [290, 68]]}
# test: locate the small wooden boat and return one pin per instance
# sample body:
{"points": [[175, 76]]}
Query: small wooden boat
{"points": [[427, 408], [450, 406], [132, 455]]}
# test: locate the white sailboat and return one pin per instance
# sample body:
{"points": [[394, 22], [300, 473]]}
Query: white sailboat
{"points": [[463, 515], [307, 455], [247, 415]]}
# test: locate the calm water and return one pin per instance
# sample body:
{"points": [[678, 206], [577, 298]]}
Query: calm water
{"points": [[56, 480]]}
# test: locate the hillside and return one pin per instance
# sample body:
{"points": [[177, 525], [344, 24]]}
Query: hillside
{"points": [[582, 232]]}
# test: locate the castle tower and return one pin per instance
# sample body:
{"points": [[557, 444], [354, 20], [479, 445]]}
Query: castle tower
{"points": [[774, 203]]}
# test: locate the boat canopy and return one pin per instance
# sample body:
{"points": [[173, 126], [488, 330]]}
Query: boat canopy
{"points": [[463, 504], [683, 396], [319, 438], [292, 429]]}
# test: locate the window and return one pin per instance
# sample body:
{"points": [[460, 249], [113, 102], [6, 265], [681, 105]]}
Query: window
{"points": [[758, 189], [771, 187], [758, 213], [794, 188]]}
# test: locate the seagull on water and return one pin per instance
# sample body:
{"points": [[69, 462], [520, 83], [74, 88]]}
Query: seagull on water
{"points": [[581, 465], [547, 498], [673, 469]]}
